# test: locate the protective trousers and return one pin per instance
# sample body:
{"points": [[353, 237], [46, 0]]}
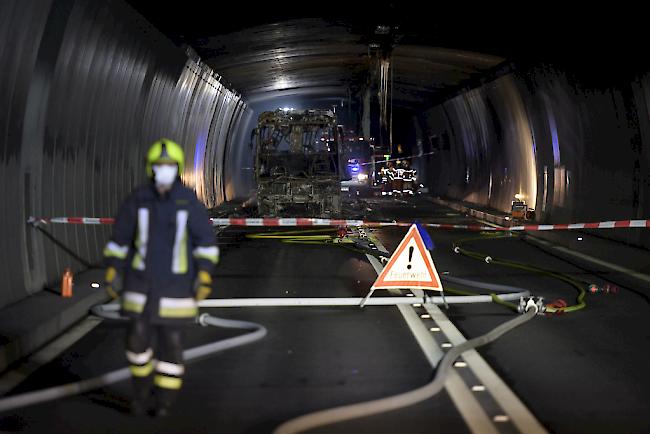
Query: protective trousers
{"points": [[167, 366]]}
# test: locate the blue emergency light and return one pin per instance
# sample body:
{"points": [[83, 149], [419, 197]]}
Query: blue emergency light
{"points": [[354, 166]]}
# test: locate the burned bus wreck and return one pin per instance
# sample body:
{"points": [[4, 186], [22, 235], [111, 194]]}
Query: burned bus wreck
{"points": [[297, 163]]}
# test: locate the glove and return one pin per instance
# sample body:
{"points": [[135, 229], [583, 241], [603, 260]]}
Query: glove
{"points": [[112, 282], [202, 285]]}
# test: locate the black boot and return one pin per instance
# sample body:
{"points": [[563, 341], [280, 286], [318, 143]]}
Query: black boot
{"points": [[162, 410], [141, 395], [138, 408], [164, 400]]}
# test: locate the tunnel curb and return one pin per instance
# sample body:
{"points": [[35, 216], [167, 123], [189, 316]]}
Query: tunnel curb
{"points": [[31, 323]]}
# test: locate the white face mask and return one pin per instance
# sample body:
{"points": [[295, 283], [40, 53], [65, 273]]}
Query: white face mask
{"points": [[164, 175]]}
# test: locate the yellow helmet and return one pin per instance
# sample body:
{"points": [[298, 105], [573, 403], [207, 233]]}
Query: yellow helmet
{"points": [[165, 151]]}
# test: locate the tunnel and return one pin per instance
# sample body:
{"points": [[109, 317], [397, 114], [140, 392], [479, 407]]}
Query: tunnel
{"points": [[493, 108]]}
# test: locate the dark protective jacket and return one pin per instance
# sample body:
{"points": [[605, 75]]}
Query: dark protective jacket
{"points": [[160, 242]]}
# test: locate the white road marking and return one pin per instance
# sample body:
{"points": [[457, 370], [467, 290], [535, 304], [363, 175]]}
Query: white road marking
{"points": [[466, 403], [597, 261], [631, 273], [521, 417], [476, 419]]}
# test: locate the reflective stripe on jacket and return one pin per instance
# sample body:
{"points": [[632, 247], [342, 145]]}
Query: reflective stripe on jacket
{"points": [[160, 242]]}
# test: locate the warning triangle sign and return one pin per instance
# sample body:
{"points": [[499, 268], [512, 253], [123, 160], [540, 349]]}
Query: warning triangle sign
{"points": [[410, 266]]}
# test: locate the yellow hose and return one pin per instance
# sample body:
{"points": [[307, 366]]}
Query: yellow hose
{"points": [[577, 284]]}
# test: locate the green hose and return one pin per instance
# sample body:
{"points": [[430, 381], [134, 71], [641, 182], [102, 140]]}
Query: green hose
{"points": [[301, 237], [493, 295], [295, 234], [578, 284]]}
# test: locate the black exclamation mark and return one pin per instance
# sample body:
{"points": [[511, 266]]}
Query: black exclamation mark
{"points": [[410, 257]]}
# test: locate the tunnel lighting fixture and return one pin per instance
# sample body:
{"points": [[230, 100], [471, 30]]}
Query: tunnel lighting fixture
{"points": [[417, 305], [501, 418], [460, 364], [434, 329], [579, 238], [410, 295], [94, 285], [478, 388], [361, 139], [446, 345], [425, 316]]}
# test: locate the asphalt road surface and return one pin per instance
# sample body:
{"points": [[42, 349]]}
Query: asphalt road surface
{"points": [[581, 372]]}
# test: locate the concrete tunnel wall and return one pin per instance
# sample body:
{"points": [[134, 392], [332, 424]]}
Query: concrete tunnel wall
{"points": [[576, 153], [85, 87]]}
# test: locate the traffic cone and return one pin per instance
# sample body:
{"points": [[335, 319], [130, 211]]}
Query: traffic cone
{"points": [[66, 283]]}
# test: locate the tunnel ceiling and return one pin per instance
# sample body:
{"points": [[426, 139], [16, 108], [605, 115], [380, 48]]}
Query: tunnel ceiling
{"points": [[320, 57], [325, 49]]}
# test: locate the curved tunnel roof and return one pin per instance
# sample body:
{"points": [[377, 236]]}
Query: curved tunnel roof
{"points": [[323, 49], [317, 57]]}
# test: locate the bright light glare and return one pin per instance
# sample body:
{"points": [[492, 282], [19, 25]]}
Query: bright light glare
{"points": [[94, 285], [579, 238], [519, 196], [281, 83]]}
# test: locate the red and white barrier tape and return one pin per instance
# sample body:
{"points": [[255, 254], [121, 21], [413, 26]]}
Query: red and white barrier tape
{"points": [[293, 222], [79, 220], [286, 222]]}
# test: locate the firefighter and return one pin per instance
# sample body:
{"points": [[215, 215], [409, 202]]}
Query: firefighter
{"points": [[391, 178], [163, 249], [383, 176], [414, 177], [398, 180], [409, 179]]}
